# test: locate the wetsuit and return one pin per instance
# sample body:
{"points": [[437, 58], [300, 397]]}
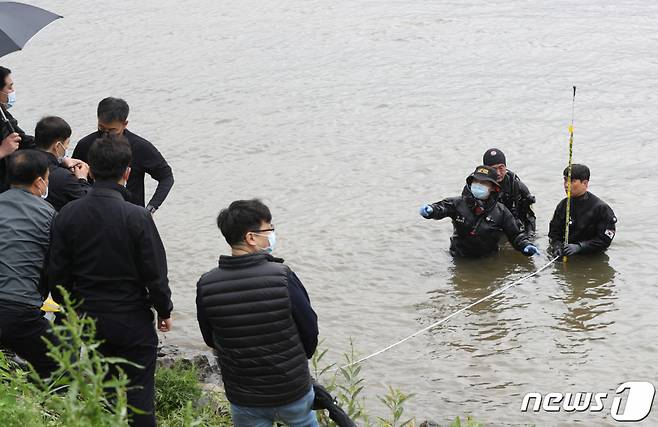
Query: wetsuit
{"points": [[478, 225], [592, 224]]}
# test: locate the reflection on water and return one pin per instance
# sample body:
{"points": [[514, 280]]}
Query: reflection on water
{"points": [[588, 293], [491, 320]]}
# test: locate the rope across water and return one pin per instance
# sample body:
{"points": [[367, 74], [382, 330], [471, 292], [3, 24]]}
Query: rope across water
{"points": [[445, 319]]}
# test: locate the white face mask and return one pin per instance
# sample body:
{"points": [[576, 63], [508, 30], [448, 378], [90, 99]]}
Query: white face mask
{"points": [[60, 158], [45, 195], [11, 99], [271, 238]]}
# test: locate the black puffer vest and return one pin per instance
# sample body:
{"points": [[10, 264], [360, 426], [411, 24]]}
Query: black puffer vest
{"points": [[261, 357]]}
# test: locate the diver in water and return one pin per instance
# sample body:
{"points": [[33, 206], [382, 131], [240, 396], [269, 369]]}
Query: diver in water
{"points": [[592, 223], [478, 218]]}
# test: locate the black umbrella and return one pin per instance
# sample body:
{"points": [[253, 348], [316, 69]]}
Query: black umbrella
{"points": [[19, 23]]}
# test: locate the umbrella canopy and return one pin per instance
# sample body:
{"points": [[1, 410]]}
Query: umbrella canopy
{"points": [[19, 23]]}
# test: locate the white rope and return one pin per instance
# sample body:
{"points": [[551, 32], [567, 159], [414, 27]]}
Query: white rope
{"points": [[445, 319]]}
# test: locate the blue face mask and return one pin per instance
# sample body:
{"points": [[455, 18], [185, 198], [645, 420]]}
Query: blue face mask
{"points": [[11, 99], [480, 191], [271, 238]]}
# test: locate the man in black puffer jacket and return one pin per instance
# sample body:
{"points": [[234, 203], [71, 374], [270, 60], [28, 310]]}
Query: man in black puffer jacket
{"points": [[254, 311], [478, 218]]}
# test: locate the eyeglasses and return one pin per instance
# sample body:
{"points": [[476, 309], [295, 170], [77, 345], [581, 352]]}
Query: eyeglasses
{"points": [[261, 231]]}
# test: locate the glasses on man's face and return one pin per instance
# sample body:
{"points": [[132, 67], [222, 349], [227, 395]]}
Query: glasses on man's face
{"points": [[261, 231]]}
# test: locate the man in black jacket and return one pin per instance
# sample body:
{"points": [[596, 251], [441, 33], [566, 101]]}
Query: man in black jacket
{"points": [[108, 254], [592, 224], [12, 137], [478, 218], [514, 194], [254, 311], [53, 135], [146, 159]]}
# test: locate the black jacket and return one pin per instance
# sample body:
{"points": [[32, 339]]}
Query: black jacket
{"points": [[27, 141], [516, 197], [146, 160], [592, 224], [478, 225], [63, 186], [248, 312], [108, 254]]}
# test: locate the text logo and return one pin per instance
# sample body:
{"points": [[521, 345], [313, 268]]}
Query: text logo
{"points": [[636, 406]]}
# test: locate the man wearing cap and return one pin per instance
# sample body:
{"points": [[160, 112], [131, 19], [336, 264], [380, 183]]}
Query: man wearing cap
{"points": [[514, 194], [478, 219], [591, 220]]}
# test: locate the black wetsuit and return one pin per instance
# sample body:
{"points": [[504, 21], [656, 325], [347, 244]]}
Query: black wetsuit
{"points": [[592, 224], [514, 194], [478, 225]]}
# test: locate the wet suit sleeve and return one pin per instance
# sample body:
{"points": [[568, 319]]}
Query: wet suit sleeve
{"points": [[605, 232], [303, 314], [60, 260], [156, 166], [556, 227], [511, 230], [204, 323], [444, 208], [151, 262]]}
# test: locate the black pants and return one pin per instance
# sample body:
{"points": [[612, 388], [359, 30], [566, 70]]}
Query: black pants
{"points": [[21, 330], [131, 336]]}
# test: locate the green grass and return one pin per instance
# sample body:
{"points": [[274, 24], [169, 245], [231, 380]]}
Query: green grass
{"points": [[80, 393]]}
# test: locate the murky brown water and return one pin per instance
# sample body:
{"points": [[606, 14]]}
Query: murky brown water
{"points": [[344, 117]]}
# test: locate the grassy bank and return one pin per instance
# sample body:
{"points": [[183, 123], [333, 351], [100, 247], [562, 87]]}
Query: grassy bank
{"points": [[82, 394]]}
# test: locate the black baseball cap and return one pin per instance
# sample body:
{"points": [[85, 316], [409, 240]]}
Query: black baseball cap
{"points": [[484, 173]]}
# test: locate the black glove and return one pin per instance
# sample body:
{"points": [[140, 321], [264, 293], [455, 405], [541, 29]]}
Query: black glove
{"points": [[571, 249]]}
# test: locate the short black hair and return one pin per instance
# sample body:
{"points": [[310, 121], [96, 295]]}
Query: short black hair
{"points": [[241, 217], [112, 110], [50, 129], [109, 157], [4, 72], [25, 166], [579, 172]]}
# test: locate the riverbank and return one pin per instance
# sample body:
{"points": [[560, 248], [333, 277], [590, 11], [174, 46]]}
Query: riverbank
{"points": [[199, 395]]}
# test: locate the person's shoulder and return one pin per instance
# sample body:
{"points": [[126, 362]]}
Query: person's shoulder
{"points": [[562, 202], [600, 204], [136, 140], [43, 207], [208, 277], [87, 140], [71, 207], [135, 211]]}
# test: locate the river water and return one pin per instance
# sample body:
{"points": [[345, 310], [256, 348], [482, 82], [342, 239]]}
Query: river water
{"points": [[344, 117]]}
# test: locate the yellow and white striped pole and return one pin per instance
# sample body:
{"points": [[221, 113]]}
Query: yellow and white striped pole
{"points": [[568, 213]]}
